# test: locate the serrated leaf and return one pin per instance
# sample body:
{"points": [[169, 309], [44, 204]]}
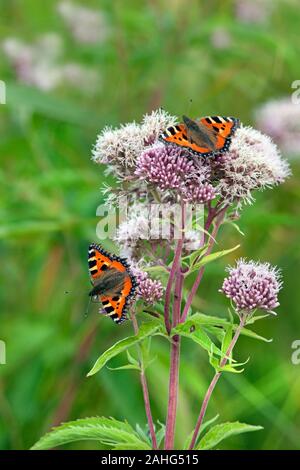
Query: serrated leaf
{"points": [[202, 319], [204, 426], [212, 257], [222, 431], [152, 327], [137, 446], [108, 431]]}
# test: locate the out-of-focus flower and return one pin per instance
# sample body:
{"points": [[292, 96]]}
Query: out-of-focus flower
{"points": [[86, 25], [252, 285], [36, 64], [220, 38], [40, 64], [253, 11], [253, 162], [120, 148], [281, 120], [83, 78], [148, 289]]}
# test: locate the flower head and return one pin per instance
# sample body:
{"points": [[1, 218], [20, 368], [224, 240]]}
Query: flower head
{"points": [[164, 165], [120, 148], [253, 11], [36, 64], [155, 123], [220, 38], [253, 162], [252, 285], [86, 25], [281, 120], [148, 289]]}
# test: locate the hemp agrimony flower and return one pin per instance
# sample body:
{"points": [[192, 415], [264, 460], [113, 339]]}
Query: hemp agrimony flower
{"points": [[252, 162], [252, 286], [169, 180]]}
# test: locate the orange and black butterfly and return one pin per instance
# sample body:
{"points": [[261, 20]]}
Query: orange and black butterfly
{"points": [[208, 136], [113, 284]]}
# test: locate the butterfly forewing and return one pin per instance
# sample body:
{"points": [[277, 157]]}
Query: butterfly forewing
{"points": [[112, 281], [206, 137]]}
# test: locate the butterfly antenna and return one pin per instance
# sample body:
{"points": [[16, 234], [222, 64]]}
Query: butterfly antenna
{"points": [[88, 306], [189, 106]]}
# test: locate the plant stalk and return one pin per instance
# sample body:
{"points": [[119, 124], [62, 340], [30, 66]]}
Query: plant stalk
{"points": [[214, 382], [219, 220], [145, 389]]}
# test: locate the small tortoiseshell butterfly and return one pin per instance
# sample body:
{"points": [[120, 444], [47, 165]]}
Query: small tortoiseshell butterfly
{"points": [[208, 136], [113, 283]]}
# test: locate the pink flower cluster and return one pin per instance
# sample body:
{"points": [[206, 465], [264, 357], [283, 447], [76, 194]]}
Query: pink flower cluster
{"points": [[252, 286], [170, 167], [150, 290]]}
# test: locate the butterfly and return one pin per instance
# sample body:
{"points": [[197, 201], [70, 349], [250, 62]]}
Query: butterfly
{"points": [[208, 136], [113, 284]]}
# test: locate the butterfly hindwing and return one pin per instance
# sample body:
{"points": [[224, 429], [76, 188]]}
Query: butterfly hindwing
{"points": [[206, 137], [113, 283]]}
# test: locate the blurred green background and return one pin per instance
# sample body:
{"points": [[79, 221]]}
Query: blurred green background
{"points": [[155, 52]]}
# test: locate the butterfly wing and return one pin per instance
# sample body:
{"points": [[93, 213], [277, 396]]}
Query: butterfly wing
{"points": [[178, 135], [206, 137], [223, 128], [112, 281]]}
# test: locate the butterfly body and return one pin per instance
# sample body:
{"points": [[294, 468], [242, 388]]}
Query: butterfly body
{"points": [[206, 137], [113, 283]]}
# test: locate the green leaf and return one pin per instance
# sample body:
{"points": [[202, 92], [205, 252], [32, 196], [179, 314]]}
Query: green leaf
{"points": [[212, 257], [151, 328], [197, 334], [160, 434], [189, 259], [158, 269], [125, 367], [108, 431], [233, 367], [221, 431], [209, 320], [204, 426], [227, 338], [34, 100], [132, 360]]}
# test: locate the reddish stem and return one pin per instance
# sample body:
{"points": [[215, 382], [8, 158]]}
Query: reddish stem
{"points": [[214, 382], [174, 367], [175, 267], [210, 218], [175, 346], [145, 390]]}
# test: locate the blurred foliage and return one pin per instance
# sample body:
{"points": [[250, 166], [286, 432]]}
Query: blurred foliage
{"points": [[160, 52]]}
